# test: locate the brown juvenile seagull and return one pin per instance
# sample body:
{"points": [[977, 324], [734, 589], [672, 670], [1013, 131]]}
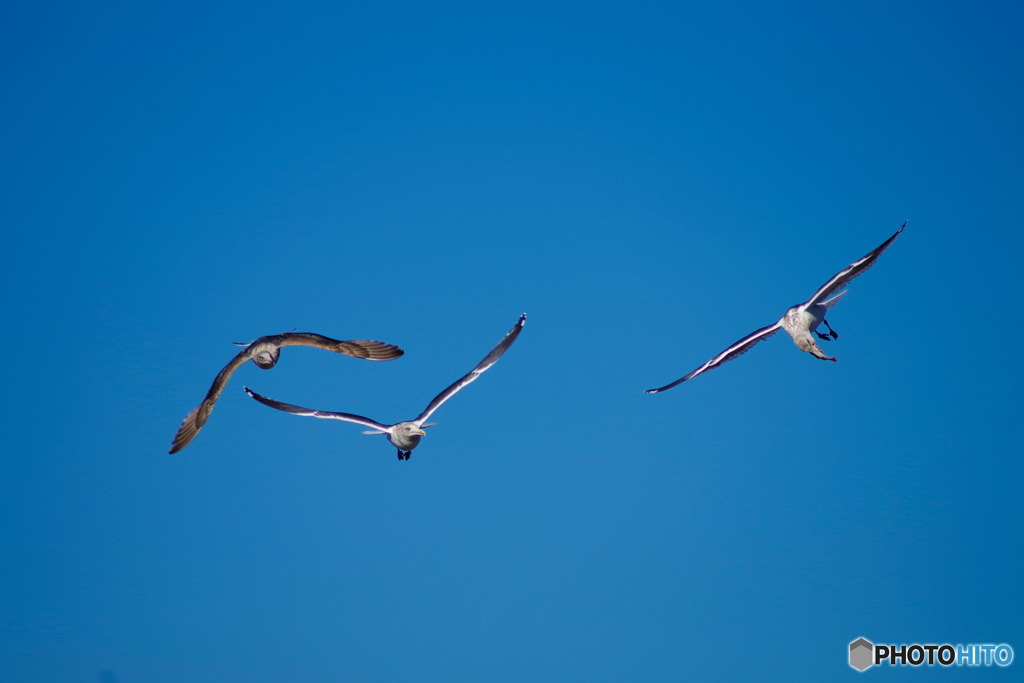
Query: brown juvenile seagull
{"points": [[800, 320], [264, 352], [405, 436]]}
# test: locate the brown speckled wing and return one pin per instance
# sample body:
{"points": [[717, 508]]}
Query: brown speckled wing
{"points": [[195, 420], [357, 348]]}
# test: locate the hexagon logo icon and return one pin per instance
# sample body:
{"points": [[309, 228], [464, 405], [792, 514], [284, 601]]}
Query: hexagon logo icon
{"points": [[862, 654]]}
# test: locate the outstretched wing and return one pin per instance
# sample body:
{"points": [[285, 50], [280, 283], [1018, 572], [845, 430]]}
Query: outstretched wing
{"points": [[357, 348], [309, 412], [195, 420], [737, 349], [840, 279], [489, 360]]}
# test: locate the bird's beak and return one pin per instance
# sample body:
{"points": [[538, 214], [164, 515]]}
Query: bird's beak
{"points": [[420, 432]]}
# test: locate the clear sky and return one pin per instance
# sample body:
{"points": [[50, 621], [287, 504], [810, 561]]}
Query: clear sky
{"points": [[647, 181]]}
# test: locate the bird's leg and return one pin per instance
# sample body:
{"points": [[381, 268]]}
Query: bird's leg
{"points": [[404, 455], [832, 333]]}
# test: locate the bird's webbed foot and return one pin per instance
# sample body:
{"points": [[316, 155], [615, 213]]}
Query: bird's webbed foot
{"points": [[404, 455], [832, 333]]}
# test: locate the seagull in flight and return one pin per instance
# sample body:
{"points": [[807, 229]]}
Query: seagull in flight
{"points": [[264, 352], [800, 320], [406, 435]]}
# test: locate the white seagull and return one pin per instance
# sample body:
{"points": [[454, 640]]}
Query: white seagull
{"points": [[264, 352], [406, 435], [799, 321]]}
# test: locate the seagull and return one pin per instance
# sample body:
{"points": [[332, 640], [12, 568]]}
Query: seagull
{"points": [[264, 352], [800, 320], [406, 435]]}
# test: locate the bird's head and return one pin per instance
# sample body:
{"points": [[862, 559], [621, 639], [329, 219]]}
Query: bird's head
{"points": [[265, 355], [410, 430], [405, 435]]}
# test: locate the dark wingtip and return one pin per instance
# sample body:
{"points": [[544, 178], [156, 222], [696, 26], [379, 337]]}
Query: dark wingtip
{"points": [[370, 349], [181, 440], [387, 352], [667, 386]]}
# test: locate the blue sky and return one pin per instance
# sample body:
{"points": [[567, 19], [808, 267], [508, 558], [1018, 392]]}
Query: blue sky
{"points": [[648, 182]]}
